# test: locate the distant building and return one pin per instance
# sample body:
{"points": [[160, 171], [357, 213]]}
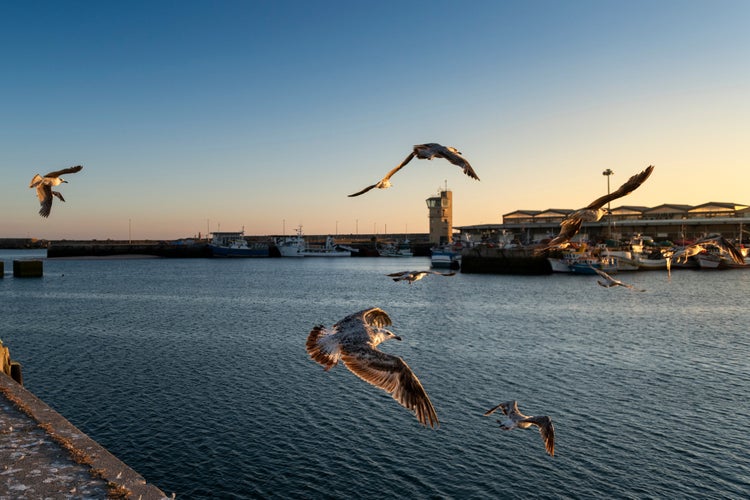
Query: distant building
{"points": [[673, 222], [441, 217]]}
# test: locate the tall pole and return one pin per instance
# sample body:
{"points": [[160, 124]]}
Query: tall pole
{"points": [[608, 173]]}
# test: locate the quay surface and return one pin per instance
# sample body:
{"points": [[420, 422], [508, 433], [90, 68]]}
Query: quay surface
{"points": [[42, 455]]}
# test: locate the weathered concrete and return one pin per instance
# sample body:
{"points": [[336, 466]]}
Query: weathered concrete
{"points": [[28, 268], [491, 260], [42, 455]]}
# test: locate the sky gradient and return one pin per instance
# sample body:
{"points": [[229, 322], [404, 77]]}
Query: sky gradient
{"points": [[196, 115]]}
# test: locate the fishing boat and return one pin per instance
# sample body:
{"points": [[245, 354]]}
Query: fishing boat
{"points": [[296, 246], [234, 244], [446, 256], [402, 249], [589, 265]]}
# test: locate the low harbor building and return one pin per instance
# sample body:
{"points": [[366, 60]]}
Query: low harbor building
{"points": [[666, 222]]}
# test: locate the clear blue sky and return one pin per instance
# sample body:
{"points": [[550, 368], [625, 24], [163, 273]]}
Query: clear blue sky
{"points": [[188, 115]]}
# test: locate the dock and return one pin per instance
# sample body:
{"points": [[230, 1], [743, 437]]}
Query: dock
{"points": [[42, 455]]}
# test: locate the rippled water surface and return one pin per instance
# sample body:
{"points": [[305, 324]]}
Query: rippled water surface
{"points": [[194, 373]]}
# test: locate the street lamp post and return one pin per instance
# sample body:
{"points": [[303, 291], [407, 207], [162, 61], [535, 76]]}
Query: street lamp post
{"points": [[607, 173]]}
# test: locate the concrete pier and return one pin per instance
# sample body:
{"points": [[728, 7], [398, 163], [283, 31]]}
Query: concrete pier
{"points": [[492, 260], [42, 455], [28, 268]]}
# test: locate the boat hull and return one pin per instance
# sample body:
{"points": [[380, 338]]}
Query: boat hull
{"points": [[218, 251]]}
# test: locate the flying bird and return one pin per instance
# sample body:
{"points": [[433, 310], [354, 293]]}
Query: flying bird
{"points": [[425, 152], [725, 247], [516, 419], [609, 281], [412, 276], [45, 184], [354, 341], [571, 224]]}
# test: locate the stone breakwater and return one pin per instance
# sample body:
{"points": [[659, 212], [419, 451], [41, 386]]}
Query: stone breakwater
{"points": [[42, 455]]}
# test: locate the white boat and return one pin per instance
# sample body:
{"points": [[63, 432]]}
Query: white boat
{"points": [[402, 249], [233, 244], [296, 246], [653, 261], [445, 256], [624, 260]]}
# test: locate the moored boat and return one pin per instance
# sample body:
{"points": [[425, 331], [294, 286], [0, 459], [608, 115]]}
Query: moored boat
{"points": [[296, 246], [233, 244], [445, 256], [401, 249]]}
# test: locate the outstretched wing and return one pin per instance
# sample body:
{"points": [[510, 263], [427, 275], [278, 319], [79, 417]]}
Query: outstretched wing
{"points": [[323, 347], [44, 193], [455, 158], [629, 186], [394, 376], [385, 179], [502, 406], [375, 317], [71, 170], [547, 431]]}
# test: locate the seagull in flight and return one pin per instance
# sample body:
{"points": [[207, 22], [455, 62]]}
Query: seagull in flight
{"points": [[354, 341], [681, 256], [425, 152], [412, 276], [570, 226], [609, 281], [45, 184], [516, 419]]}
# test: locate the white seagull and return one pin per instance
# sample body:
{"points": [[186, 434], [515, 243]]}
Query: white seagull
{"points": [[354, 341], [412, 276], [44, 186], [425, 152], [516, 419], [571, 224], [609, 281]]}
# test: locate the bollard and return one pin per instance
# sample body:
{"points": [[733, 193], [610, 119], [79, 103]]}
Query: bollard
{"points": [[27, 268]]}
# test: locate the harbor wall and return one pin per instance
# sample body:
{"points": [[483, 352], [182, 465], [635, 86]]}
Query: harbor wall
{"points": [[485, 259], [45, 456]]}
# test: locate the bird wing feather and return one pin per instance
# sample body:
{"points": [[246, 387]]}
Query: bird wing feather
{"points": [[375, 317], [547, 430], [70, 170], [459, 160], [629, 186], [502, 407], [322, 347], [44, 192], [394, 376], [387, 176]]}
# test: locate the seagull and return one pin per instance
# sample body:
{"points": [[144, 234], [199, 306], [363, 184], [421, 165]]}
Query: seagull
{"points": [[354, 341], [425, 152], [594, 211], [44, 186], [516, 419], [412, 276], [717, 240], [610, 281]]}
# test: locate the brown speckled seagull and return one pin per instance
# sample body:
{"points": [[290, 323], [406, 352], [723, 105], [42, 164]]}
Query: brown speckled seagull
{"points": [[516, 419], [425, 152], [354, 341], [412, 276], [44, 186], [609, 281], [594, 211]]}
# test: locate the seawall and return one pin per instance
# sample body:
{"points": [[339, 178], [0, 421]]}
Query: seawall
{"points": [[45, 456], [491, 260]]}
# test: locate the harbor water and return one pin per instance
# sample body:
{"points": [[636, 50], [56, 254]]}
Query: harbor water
{"points": [[194, 373]]}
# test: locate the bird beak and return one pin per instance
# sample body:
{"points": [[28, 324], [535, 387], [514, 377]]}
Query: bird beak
{"points": [[64, 181], [397, 337]]}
